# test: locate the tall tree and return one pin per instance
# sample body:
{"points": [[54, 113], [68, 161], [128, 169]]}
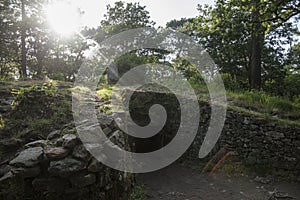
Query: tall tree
{"points": [[124, 16], [23, 40], [121, 17], [238, 34]]}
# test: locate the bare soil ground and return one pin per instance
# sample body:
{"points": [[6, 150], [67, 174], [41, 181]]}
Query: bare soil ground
{"points": [[184, 183]]}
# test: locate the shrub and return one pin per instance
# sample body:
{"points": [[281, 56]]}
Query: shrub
{"points": [[292, 85]]}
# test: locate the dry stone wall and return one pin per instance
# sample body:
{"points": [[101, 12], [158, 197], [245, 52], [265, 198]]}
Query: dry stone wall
{"points": [[60, 167]]}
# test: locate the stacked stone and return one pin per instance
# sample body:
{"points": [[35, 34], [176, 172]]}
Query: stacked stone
{"points": [[60, 167], [261, 144]]}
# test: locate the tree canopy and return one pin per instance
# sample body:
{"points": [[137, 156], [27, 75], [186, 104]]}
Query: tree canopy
{"points": [[253, 42]]}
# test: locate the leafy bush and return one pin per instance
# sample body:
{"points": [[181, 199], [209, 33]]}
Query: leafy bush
{"points": [[230, 82], [296, 100], [138, 193], [292, 85], [105, 95]]}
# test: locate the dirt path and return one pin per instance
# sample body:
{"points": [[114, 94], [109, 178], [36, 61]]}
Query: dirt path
{"points": [[179, 182]]}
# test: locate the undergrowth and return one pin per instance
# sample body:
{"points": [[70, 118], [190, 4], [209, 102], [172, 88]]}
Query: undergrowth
{"points": [[40, 108]]}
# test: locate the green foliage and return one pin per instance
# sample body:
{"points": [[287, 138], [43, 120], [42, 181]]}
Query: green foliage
{"points": [[41, 107], [230, 82], [128, 61], [124, 16], [296, 100], [292, 85], [264, 103], [138, 193], [228, 32], [46, 52], [105, 95]]}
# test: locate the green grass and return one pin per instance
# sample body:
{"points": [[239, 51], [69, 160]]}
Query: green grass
{"points": [[258, 103], [105, 93], [138, 193], [261, 102], [36, 106]]}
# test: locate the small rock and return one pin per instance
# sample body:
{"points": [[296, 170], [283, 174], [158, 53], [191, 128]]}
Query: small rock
{"points": [[95, 166], [10, 143], [66, 167], [105, 119], [50, 184], [58, 142], [56, 153], [107, 130], [4, 169], [27, 172], [246, 120], [28, 158], [275, 135], [37, 143], [262, 180], [69, 140], [8, 176], [80, 152], [53, 135], [83, 180]]}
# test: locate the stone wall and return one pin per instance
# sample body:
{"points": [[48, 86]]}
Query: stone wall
{"points": [[60, 167], [261, 144]]}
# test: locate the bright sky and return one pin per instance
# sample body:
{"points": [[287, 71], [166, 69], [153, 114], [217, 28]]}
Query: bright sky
{"points": [[161, 11]]}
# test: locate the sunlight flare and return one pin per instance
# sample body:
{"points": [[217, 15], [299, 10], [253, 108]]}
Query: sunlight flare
{"points": [[63, 17]]}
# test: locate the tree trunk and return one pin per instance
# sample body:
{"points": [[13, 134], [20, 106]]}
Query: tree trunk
{"points": [[256, 51], [23, 43]]}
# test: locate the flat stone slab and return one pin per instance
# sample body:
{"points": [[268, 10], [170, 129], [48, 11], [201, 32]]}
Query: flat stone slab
{"points": [[56, 153], [37, 143], [28, 158]]}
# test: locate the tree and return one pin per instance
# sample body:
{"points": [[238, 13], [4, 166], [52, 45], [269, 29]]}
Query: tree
{"points": [[265, 16], [9, 50], [23, 42], [293, 61], [242, 36], [121, 17], [124, 16]]}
